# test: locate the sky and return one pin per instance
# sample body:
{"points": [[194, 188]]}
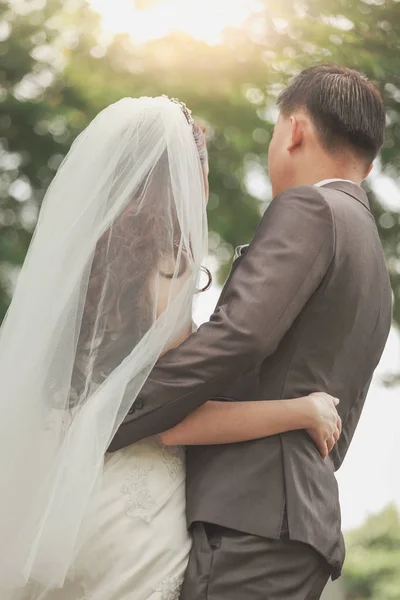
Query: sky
{"points": [[368, 479], [203, 20]]}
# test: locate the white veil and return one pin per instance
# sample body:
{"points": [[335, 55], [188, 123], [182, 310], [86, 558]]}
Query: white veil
{"points": [[107, 284]]}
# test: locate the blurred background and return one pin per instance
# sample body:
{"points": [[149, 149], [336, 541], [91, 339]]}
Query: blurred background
{"points": [[61, 61]]}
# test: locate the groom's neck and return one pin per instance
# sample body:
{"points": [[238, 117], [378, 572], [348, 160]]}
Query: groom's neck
{"points": [[313, 169]]}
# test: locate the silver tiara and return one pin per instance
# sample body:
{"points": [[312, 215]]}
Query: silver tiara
{"points": [[186, 111]]}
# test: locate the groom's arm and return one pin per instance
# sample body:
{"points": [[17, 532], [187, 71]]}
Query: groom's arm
{"points": [[287, 260]]}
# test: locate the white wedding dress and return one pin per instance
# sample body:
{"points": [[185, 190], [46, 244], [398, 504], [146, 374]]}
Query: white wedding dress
{"points": [[138, 545]]}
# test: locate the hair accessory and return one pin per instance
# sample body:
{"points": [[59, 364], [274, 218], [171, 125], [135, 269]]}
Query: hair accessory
{"points": [[186, 111]]}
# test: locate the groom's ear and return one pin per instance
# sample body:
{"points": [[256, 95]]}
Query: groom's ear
{"points": [[296, 133]]}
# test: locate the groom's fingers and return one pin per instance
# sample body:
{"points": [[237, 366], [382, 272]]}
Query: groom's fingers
{"points": [[339, 425]]}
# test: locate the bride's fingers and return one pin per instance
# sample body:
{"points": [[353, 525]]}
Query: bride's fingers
{"points": [[326, 451], [323, 449], [336, 432], [330, 442]]}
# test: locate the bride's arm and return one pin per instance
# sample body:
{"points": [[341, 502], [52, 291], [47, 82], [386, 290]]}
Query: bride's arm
{"points": [[231, 422]]}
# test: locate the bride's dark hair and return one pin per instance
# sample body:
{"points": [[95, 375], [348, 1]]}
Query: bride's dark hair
{"points": [[125, 257]]}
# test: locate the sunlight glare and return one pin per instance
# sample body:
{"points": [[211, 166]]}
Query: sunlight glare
{"points": [[203, 20]]}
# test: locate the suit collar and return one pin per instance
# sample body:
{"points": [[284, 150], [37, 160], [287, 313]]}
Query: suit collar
{"points": [[351, 189]]}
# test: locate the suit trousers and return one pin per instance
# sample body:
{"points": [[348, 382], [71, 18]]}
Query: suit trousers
{"points": [[229, 565]]}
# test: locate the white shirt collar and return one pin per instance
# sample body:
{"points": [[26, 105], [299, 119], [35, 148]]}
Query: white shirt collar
{"points": [[325, 181]]}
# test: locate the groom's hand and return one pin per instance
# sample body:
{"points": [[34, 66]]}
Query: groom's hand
{"points": [[327, 424]]}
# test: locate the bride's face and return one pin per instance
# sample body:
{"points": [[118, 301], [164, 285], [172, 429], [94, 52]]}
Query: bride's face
{"points": [[170, 277], [169, 281]]}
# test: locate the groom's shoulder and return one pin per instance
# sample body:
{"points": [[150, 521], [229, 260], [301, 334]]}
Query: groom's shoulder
{"points": [[302, 200], [302, 193]]}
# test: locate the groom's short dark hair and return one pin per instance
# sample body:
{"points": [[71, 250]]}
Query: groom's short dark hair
{"points": [[346, 108]]}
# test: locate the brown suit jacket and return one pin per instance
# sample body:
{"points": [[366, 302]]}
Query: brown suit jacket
{"points": [[306, 308]]}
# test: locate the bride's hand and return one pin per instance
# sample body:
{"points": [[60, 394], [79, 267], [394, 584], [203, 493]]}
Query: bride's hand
{"points": [[327, 425]]}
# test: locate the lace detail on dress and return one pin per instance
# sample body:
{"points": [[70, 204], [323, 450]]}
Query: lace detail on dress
{"points": [[74, 589], [170, 588], [135, 487], [173, 459]]}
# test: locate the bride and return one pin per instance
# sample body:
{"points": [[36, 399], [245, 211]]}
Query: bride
{"points": [[106, 288]]}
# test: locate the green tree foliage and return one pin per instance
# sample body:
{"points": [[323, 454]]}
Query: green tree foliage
{"points": [[39, 118], [58, 69], [373, 557]]}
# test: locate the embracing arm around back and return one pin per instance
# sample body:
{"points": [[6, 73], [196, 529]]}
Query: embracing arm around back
{"points": [[287, 260], [232, 422]]}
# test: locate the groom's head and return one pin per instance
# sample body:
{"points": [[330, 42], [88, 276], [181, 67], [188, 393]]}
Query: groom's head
{"points": [[331, 125]]}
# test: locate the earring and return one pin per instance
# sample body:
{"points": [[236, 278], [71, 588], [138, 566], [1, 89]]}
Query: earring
{"points": [[209, 282]]}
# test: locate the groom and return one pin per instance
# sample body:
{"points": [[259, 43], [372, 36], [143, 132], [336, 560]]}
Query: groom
{"points": [[307, 307]]}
